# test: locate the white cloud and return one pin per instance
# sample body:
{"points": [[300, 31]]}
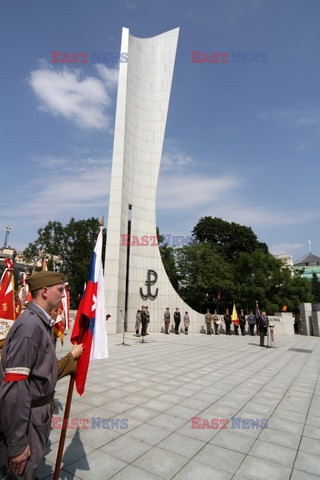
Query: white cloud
{"points": [[260, 215], [131, 5], [190, 191], [110, 75], [297, 117], [205, 195], [183, 188], [173, 156], [50, 161], [66, 92], [64, 188], [234, 209], [283, 248]]}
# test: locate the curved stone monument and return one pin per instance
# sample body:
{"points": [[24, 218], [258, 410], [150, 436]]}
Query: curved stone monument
{"points": [[135, 275]]}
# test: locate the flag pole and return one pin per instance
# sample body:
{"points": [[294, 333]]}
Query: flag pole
{"points": [[124, 329], [65, 419], [64, 428]]}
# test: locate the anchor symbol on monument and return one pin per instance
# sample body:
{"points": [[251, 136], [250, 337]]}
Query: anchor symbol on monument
{"points": [[152, 278]]}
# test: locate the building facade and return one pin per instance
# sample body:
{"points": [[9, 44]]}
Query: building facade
{"points": [[308, 265]]}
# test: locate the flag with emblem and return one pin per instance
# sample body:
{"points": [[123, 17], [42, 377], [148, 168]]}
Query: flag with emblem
{"points": [[7, 303], [90, 325], [8, 312]]}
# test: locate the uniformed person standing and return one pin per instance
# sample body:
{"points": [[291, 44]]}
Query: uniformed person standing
{"points": [[227, 321], [28, 375], [251, 321], [144, 323], [186, 322], [207, 319], [148, 318], [242, 322], [216, 322], [138, 323], [166, 318], [177, 320]]}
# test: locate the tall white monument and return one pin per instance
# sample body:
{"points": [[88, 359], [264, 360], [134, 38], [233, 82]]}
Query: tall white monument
{"points": [[134, 275]]}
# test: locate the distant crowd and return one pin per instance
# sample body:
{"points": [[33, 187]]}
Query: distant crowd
{"points": [[143, 320], [257, 323]]}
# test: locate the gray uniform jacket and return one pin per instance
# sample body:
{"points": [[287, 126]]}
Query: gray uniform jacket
{"points": [[251, 319], [27, 377]]}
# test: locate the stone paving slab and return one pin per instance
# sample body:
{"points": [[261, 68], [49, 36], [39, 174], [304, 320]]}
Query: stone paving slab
{"points": [[156, 388]]}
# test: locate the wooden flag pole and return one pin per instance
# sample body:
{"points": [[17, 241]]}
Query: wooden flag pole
{"points": [[64, 427]]}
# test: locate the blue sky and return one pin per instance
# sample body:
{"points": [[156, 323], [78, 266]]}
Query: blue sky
{"points": [[242, 138]]}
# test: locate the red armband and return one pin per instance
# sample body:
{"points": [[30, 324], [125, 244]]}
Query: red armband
{"points": [[16, 374]]}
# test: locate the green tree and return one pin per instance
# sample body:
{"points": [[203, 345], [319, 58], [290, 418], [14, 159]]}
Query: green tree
{"points": [[262, 277], [230, 238], [295, 290], [74, 244], [50, 242], [169, 261], [203, 272], [315, 285], [257, 274]]}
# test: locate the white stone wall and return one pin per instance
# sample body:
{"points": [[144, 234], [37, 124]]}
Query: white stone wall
{"points": [[306, 318], [283, 323]]}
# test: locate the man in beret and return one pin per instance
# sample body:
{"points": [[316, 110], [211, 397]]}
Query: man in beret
{"points": [[28, 375]]}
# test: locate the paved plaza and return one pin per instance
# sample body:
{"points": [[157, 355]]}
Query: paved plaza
{"points": [[156, 388]]}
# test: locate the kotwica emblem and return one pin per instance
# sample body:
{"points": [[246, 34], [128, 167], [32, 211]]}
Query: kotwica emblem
{"points": [[152, 278]]}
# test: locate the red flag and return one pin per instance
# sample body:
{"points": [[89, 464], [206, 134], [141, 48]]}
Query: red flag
{"points": [[7, 303], [219, 296], [90, 326]]}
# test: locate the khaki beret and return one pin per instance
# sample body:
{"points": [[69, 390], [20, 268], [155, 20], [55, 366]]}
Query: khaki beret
{"points": [[44, 279]]}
